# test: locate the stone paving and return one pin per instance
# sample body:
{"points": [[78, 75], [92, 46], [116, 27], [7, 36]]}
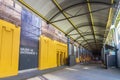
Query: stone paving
{"points": [[82, 72]]}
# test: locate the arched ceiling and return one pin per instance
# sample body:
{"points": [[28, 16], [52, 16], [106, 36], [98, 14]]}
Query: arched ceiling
{"points": [[85, 21]]}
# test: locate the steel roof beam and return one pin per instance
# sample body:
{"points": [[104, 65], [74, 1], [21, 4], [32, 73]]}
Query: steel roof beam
{"points": [[109, 21], [88, 47], [77, 4], [100, 45], [60, 9], [94, 47], [40, 15], [90, 39], [89, 35], [85, 26], [87, 32], [80, 14], [91, 43], [96, 35], [91, 19]]}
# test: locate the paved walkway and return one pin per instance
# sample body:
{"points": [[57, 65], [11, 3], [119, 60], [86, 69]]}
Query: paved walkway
{"points": [[82, 72]]}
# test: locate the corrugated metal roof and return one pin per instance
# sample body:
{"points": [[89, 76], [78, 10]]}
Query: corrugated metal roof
{"points": [[76, 18]]}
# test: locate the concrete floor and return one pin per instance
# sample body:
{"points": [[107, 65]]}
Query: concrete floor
{"points": [[82, 72]]}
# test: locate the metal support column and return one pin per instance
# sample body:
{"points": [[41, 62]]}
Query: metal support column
{"points": [[116, 46], [68, 45], [72, 49]]}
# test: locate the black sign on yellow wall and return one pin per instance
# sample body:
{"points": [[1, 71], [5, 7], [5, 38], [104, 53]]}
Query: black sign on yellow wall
{"points": [[30, 32], [28, 57]]}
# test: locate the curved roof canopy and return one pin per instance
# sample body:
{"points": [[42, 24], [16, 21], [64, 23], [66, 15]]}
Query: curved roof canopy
{"points": [[85, 21]]}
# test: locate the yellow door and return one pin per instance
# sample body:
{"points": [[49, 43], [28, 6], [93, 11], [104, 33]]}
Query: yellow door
{"points": [[9, 48], [58, 58], [62, 58]]}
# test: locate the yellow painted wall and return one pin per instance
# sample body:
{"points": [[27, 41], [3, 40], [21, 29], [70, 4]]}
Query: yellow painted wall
{"points": [[9, 49], [61, 51], [77, 60], [50, 52]]}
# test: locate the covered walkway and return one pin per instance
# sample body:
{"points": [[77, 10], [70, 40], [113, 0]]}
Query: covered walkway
{"points": [[59, 39]]}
